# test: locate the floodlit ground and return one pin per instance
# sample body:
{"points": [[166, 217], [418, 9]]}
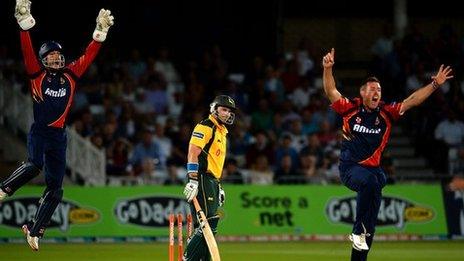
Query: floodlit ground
{"points": [[319, 251]]}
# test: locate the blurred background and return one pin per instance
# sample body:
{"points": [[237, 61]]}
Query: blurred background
{"points": [[164, 61]]}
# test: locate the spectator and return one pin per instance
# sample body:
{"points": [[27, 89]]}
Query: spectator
{"points": [[286, 148], [330, 169], [261, 146], [302, 94], [273, 86], [165, 66], [164, 143], [240, 141], [308, 169], [261, 119], [451, 132], [384, 44], [303, 57], [173, 176], [290, 77], [142, 105], [309, 126], [136, 66], [148, 173], [126, 124], [118, 157], [231, 174], [157, 95], [145, 149], [388, 166], [314, 148], [286, 173], [261, 172], [180, 145], [296, 132], [325, 135]]}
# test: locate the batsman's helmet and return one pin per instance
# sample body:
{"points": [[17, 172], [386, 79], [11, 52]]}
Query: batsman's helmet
{"points": [[223, 101]]}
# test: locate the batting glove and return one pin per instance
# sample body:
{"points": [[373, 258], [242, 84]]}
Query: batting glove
{"points": [[191, 189], [104, 21], [23, 14]]}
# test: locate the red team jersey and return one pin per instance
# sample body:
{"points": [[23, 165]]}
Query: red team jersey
{"points": [[365, 132], [53, 92]]}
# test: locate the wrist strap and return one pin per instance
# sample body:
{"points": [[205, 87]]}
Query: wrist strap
{"points": [[99, 36], [192, 167], [27, 23], [192, 170], [435, 85]]}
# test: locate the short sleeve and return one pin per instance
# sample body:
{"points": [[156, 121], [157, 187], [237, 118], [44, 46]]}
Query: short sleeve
{"points": [[201, 135], [343, 105], [393, 109]]}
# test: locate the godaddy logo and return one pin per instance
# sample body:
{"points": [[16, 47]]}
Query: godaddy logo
{"points": [[149, 211], [18, 211], [393, 211]]}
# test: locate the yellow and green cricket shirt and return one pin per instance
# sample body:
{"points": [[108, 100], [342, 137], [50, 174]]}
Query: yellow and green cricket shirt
{"points": [[210, 136]]}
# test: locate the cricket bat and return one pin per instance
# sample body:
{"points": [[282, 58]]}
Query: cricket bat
{"points": [[207, 232]]}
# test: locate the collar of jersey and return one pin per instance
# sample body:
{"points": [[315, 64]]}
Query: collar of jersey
{"points": [[218, 125]]}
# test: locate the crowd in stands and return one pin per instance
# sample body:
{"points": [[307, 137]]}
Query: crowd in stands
{"points": [[408, 63], [141, 109]]}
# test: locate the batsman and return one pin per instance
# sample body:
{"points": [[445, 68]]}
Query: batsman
{"points": [[52, 85], [206, 155]]}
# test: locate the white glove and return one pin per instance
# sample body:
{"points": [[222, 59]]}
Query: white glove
{"points": [[191, 189], [104, 22], [23, 14], [222, 196]]}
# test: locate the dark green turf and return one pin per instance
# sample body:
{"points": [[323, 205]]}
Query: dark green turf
{"points": [[293, 251]]}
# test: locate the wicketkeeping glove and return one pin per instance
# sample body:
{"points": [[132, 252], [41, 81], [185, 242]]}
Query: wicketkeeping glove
{"points": [[104, 21], [191, 189], [222, 196], [23, 14]]}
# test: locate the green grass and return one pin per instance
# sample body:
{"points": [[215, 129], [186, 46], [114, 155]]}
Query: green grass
{"points": [[294, 251]]}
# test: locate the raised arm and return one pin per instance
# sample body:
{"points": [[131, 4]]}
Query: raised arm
{"points": [[104, 21], [23, 14], [328, 80], [419, 96], [79, 66], [26, 21], [30, 58]]}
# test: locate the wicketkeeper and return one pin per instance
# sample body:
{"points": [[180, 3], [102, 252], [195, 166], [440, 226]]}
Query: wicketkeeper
{"points": [[52, 88]]}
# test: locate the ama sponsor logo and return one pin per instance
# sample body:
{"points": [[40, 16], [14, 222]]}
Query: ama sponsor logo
{"points": [[60, 93], [364, 129], [18, 211], [393, 211]]}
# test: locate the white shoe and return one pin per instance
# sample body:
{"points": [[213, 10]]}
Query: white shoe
{"points": [[359, 242], [32, 241], [2, 195]]}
